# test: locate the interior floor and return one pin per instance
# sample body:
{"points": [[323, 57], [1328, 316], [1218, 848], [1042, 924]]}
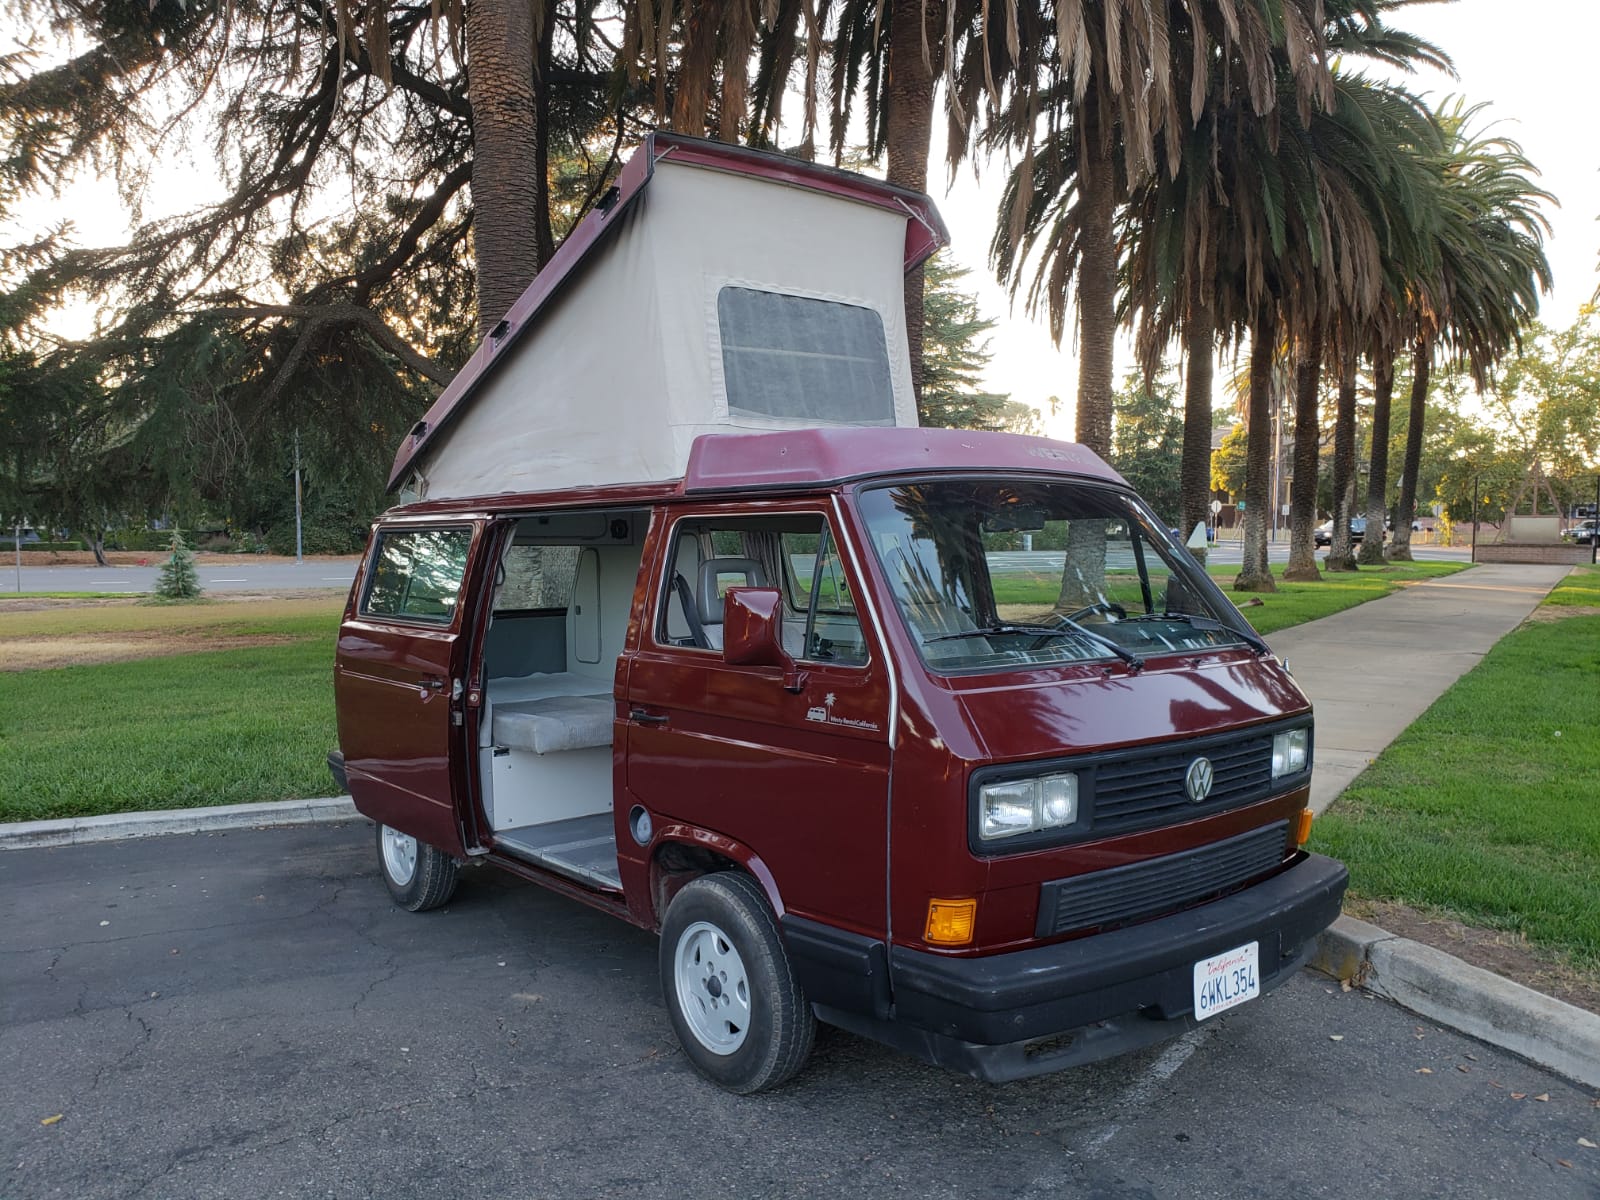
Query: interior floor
{"points": [[582, 848]]}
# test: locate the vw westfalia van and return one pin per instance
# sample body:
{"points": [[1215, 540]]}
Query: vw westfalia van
{"points": [[788, 693]]}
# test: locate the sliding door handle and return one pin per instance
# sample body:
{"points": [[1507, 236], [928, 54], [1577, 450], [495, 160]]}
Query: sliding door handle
{"points": [[645, 718]]}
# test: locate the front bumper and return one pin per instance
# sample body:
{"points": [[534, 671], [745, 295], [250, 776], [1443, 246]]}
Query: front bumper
{"points": [[1007, 1016]]}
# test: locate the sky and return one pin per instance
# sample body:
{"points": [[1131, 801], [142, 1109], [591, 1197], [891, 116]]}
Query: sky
{"points": [[1531, 61]]}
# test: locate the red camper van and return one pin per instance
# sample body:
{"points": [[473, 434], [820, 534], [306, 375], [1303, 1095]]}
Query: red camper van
{"points": [[796, 709]]}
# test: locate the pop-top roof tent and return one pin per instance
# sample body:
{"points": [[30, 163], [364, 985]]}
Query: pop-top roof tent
{"points": [[715, 289]]}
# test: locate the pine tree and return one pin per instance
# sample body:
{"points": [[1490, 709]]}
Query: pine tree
{"points": [[179, 580]]}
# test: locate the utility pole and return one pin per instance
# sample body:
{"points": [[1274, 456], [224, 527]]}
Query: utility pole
{"points": [[17, 546], [298, 555], [1474, 557]]}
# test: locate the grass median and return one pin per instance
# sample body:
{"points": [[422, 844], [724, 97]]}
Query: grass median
{"points": [[1483, 810]]}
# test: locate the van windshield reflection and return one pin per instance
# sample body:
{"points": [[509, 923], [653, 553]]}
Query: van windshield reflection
{"points": [[994, 574]]}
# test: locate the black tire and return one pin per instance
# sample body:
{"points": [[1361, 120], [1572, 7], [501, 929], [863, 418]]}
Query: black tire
{"points": [[777, 1038], [432, 879]]}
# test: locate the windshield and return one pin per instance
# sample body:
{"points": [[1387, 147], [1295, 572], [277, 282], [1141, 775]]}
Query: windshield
{"points": [[995, 574]]}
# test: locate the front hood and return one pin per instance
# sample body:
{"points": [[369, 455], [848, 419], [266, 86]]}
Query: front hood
{"points": [[1042, 715]]}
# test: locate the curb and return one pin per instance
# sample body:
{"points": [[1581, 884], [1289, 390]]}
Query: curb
{"points": [[1441, 987], [75, 831]]}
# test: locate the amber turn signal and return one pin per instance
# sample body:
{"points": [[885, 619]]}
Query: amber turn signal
{"points": [[950, 922], [1302, 829]]}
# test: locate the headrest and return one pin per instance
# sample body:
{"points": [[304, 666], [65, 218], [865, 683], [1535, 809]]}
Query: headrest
{"points": [[717, 575]]}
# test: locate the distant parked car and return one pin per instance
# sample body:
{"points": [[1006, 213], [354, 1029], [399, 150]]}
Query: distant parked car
{"points": [[1323, 534], [1581, 534]]}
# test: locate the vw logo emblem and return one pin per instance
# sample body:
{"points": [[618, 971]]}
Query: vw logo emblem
{"points": [[1197, 780]]}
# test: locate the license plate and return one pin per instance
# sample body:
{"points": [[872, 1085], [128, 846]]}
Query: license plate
{"points": [[1227, 979]]}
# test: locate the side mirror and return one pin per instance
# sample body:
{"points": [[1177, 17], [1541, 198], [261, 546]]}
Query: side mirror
{"points": [[752, 633]]}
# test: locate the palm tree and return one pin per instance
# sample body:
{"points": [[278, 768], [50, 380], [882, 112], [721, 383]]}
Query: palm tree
{"points": [[1118, 86], [1344, 462], [1491, 271], [1276, 229], [507, 182]]}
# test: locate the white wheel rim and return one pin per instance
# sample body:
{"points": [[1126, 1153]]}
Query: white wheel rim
{"points": [[399, 855], [713, 988]]}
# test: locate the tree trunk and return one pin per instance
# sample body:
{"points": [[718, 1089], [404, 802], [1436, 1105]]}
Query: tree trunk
{"points": [[1422, 365], [1378, 476], [544, 235], [1083, 572], [1303, 488], [505, 153], [909, 121], [1254, 575], [1097, 282], [1194, 472], [97, 544], [1340, 557]]}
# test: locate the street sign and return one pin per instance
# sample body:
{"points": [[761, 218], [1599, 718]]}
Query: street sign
{"points": [[1216, 507], [1241, 506], [1284, 511]]}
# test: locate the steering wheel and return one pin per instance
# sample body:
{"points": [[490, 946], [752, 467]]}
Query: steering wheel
{"points": [[1105, 606]]}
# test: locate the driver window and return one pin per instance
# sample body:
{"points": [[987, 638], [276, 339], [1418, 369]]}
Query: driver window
{"points": [[794, 553]]}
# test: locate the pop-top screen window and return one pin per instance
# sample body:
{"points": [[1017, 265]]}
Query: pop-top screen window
{"points": [[804, 360]]}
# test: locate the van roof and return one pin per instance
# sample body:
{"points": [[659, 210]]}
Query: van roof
{"points": [[809, 459]]}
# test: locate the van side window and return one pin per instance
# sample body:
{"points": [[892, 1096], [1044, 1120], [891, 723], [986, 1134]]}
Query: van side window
{"points": [[833, 628], [416, 574], [793, 553], [537, 577]]}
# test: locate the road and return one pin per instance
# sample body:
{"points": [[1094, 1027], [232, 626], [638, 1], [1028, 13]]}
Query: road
{"points": [[246, 575], [234, 575], [247, 1015]]}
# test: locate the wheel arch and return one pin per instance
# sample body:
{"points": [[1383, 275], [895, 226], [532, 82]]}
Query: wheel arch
{"points": [[682, 852]]}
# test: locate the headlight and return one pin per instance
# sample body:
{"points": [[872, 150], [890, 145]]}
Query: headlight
{"points": [[1027, 805], [1289, 752]]}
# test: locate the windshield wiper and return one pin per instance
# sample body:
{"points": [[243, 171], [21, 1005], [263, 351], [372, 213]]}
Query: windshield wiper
{"points": [[1208, 625], [1071, 626]]}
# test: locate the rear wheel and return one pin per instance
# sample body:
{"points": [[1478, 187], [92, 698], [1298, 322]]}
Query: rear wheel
{"points": [[740, 1015], [418, 876]]}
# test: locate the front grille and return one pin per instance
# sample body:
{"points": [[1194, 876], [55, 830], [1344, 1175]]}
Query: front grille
{"points": [[1121, 895], [1147, 789]]}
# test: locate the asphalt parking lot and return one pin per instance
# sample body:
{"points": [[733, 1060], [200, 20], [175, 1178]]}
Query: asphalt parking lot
{"points": [[246, 1014]]}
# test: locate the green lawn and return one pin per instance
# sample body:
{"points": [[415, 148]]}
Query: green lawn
{"points": [[178, 731], [1291, 604], [1579, 589], [1485, 807]]}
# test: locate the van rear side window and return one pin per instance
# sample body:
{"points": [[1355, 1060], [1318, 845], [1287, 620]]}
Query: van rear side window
{"points": [[416, 574]]}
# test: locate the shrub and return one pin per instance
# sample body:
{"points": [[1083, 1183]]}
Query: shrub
{"points": [[10, 545], [179, 580]]}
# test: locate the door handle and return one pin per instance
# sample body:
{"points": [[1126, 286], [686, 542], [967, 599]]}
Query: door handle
{"points": [[431, 683], [645, 718]]}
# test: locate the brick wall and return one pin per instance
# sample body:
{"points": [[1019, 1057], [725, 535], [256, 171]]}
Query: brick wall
{"points": [[1532, 552]]}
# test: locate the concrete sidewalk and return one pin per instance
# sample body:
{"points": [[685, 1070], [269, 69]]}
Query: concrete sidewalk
{"points": [[1373, 669]]}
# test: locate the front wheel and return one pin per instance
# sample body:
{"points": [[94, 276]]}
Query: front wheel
{"points": [[418, 876], [735, 1005]]}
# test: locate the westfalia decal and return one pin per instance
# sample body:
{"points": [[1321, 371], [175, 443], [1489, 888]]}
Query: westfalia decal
{"points": [[824, 714]]}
